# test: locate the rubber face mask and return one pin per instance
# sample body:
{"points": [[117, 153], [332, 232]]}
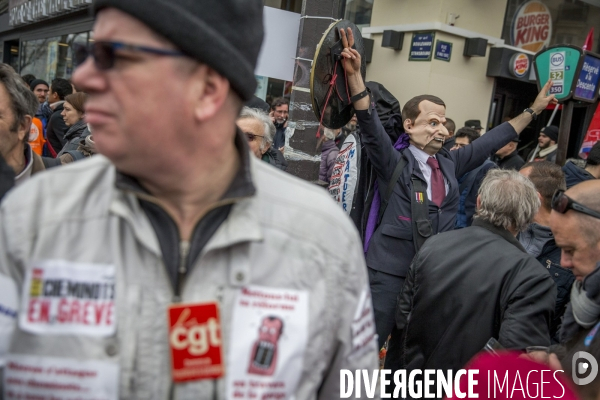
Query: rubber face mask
{"points": [[428, 132]]}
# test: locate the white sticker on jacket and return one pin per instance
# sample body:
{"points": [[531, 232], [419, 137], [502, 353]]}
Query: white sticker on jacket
{"points": [[8, 314], [61, 297], [363, 326], [268, 339], [32, 377]]}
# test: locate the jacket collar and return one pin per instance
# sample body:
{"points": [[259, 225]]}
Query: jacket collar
{"points": [[33, 165], [509, 237]]}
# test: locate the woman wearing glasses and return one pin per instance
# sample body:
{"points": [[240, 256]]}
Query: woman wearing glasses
{"points": [[259, 131]]}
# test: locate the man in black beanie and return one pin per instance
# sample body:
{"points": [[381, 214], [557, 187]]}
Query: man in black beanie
{"points": [[546, 150], [176, 264]]}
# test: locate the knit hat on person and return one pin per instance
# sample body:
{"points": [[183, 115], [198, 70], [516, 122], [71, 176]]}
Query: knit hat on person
{"points": [[36, 82], [223, 34], [551, 131]]}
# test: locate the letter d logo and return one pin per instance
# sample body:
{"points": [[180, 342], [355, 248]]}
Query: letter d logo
{"points": [[580, 368]]}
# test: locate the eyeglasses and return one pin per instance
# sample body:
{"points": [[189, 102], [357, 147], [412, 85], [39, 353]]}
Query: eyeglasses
{"points": [[252, 136], [562, 203], [104, 52]]}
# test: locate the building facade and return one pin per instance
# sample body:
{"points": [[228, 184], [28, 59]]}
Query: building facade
{"points": [[477, 55]]}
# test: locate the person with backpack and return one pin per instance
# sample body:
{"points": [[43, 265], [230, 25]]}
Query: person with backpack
{"points": [[417, 186]]}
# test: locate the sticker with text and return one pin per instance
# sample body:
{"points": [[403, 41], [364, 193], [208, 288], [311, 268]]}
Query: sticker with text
{"points": [[33, 377], [61, 297], [267, 343], [195, 341]]}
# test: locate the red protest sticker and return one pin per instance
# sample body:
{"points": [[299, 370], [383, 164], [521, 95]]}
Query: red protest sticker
{"points": [[195, 341]]}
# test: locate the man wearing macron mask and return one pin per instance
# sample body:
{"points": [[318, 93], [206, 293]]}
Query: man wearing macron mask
{"points": [[425, 195]]}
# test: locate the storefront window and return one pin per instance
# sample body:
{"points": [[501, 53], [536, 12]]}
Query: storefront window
{"points": [[359, 12], [534, 25], [51, 58]]}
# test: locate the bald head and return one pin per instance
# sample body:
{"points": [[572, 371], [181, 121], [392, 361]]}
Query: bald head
{"points": [[578, 234]]}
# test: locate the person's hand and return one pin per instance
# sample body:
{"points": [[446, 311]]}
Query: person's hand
{"points": [[282, 149], [351, 60], [543, 99]]}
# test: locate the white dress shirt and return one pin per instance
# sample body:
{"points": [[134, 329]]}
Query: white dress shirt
{"points": [[421, 158]]}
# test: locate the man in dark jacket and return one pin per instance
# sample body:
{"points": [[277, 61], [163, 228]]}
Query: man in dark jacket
{"points": [[56, 129], [280, 109], [538, 239], [546, 149], [508, 158], [390, 245], [575, 174], [467, 286]]}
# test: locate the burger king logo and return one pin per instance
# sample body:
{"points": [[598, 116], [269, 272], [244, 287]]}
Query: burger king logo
{"points": [[520, 65], [532, 27]]}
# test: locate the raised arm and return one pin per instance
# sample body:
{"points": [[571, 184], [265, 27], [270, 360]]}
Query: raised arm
{"points": [[379, 147]]}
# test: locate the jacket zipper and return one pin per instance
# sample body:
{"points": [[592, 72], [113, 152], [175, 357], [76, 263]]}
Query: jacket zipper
{"points": [[184, 252]]}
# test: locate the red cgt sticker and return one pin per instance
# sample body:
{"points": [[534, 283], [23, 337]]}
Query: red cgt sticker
{"points": [[195, 341]]}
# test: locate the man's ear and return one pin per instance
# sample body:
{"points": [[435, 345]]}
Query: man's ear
{"points": [[407, 123], [478, 202], [25, 128], [540, 197]]}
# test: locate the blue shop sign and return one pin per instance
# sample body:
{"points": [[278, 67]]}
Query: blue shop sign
{"points": [[587, 82], [421, 46], [443, 50]]}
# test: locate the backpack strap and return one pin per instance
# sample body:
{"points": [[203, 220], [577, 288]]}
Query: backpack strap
{"points": [[419, 208], [390, 187]]}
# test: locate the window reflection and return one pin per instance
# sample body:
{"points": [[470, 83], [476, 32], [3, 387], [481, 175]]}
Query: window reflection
{"points": [[359, 12], [51, 58]]}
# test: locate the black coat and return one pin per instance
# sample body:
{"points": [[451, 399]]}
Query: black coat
{"points": [[56, 129], [511, 161], [464, 288], [391, 248], [7, 177]]}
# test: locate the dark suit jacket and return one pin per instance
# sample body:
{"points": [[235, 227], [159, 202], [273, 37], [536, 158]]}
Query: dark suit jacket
{"points": [[391, 248]]}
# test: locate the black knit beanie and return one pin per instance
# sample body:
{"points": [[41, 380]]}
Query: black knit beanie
{"points": [[36, 82], [551, 131], [224, 34]]}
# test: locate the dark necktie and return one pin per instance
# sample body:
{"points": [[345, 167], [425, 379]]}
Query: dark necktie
{"points": [[438, 189]]}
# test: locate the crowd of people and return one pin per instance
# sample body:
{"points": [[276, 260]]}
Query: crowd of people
{"points": [[173, 257]]}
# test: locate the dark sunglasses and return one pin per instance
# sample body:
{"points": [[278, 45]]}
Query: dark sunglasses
{"points": [[252, 136], [104, 52], [562, 203]]}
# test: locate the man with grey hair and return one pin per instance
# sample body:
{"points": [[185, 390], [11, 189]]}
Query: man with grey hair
{"points": [[467, 286], [260, 130], [18, 105]]}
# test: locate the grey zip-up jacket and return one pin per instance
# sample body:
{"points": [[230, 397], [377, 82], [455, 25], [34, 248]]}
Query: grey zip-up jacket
{"points": [[70, 239]]}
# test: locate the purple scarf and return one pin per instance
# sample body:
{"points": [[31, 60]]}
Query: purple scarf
{"points": [[401, 144]]}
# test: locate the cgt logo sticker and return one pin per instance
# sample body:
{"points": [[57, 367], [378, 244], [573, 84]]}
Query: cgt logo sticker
{"points": [[583, 362]]}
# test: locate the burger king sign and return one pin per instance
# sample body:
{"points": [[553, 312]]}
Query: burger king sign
{"points": [[532, 27]]}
